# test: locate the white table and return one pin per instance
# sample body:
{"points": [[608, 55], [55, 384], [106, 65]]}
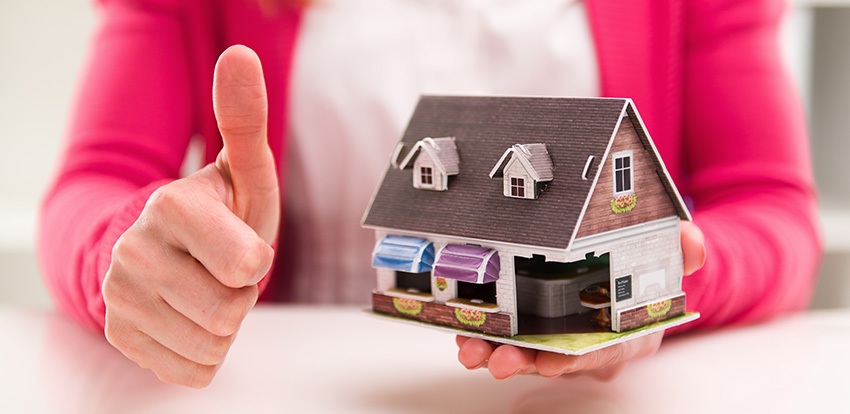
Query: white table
{"points": [[340, 360]]}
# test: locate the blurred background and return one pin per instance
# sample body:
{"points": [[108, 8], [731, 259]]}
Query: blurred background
{"points": [[42, 49]]}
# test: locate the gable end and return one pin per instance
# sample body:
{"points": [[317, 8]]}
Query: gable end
{"points": [[609, 210]]}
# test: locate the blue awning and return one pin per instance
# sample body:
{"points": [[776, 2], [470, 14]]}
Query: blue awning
{"points": [[408, 254]]}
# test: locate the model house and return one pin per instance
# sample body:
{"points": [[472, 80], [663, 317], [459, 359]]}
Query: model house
{"points": [[513, 215]]}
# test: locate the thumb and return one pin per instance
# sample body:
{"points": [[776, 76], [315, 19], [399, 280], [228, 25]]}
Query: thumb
{"points": [[241, 109]]}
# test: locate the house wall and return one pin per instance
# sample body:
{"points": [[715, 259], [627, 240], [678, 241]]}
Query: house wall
{"points": [[505, 291], [449, 292], [440, 314], [643, 315], [505, 286], [650, 253], [652, 200], [653, 258], [385, 277]]}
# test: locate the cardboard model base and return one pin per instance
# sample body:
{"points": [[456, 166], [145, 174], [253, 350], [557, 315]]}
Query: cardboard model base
{"points": [[565, 343]]}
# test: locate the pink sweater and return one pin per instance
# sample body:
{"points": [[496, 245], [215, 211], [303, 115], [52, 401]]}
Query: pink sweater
{"points": [[705, 74]]}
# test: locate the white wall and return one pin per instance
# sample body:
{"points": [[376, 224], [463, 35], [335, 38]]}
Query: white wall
{"points": [[830, 94], [42, 45]]}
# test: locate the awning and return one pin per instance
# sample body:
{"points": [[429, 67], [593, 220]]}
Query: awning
{"points": [[468, 264], [408, 254]]}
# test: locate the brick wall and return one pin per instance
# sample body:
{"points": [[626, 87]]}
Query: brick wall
{"points": [[437, 313], [653, 203], [641, 316]]}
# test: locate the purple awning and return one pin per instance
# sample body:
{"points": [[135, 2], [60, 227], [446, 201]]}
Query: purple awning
{"points": [[467, 264]]}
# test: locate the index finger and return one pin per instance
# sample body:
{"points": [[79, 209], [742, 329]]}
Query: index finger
{"points": [[196, 220], [693, 247]]}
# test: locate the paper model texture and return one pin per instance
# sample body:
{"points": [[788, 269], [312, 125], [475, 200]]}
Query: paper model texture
{"points": [[535, 221]]}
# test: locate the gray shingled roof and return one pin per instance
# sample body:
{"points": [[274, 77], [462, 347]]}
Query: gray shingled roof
{"points": [[484, 127]]}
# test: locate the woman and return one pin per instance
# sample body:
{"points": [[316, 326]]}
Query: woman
{"points": [[159, 251]]}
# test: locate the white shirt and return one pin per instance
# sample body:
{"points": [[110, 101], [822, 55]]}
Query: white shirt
{"points": [[359, 68]]}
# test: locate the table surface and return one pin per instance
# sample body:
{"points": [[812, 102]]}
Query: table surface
{"points": [[342, 360]]}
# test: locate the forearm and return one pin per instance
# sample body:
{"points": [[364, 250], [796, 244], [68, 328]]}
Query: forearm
{"points": [[748, 167], [79, 223], [131, 124], [763, 250]]}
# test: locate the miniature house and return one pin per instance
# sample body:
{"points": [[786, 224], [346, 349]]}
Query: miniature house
{"points": [[561, 209]]}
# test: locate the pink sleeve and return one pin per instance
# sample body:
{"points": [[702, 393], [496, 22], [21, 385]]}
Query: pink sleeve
{"points": [[747, 161], [128, 134]]}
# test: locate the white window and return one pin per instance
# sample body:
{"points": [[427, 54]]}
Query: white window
{"points": [[517, 187], [623, 175], [426, 175]]}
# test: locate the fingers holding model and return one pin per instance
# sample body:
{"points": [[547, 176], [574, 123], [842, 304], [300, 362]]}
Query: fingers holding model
{"points": [[185, 274]]}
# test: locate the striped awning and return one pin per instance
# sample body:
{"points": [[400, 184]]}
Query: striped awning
{"points": [[408, 254], [468, 264]]}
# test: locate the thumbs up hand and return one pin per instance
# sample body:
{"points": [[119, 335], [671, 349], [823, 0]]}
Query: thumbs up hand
{"points": [[185, 274]]}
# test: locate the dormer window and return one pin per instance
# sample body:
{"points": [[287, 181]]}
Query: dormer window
{"points": [[623, 177], [523, 167], [426, 176], [434, 160], [517, 187]]}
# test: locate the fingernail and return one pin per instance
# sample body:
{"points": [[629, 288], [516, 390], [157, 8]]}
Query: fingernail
{"points": [[512, 375], [552, 375]]}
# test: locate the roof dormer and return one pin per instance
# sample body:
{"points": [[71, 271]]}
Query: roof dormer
{"points": [[527, 166], [435, 160]]}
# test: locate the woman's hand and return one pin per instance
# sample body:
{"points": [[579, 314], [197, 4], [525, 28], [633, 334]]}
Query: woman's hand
{"points": [[185, 274], [505, 361]]}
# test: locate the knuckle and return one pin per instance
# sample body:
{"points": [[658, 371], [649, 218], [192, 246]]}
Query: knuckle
{"points": [[185, 373], [113, 333], [125, 340], [168, 201], [240, 125], [255, 259], [121, 288], [133, 251], [126, 250], [200, 376], [215, 350], [230, 311], [116, 294], [163, 199]]}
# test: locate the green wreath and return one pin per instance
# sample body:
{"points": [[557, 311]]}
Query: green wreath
{"points": [[623, 203], [659, 309], [470, 317], [410, 307]]}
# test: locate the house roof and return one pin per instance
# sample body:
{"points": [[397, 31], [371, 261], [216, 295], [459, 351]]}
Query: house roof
{"points": [[474, 207]]}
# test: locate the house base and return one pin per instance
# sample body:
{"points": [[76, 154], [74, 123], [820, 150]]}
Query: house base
{"points": [[568, 343]]}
